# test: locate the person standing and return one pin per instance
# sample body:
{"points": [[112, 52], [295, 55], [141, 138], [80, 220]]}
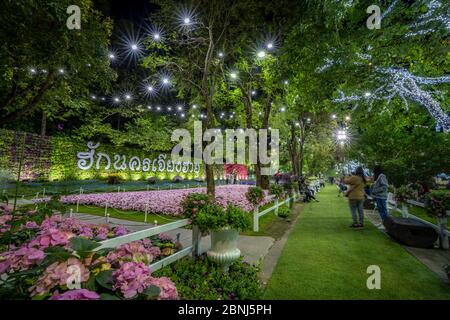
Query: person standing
{"points": [[380, 191], [355, 196]]}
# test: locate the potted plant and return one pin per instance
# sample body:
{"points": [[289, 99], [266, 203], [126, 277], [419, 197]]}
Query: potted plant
{"points": [[224, 225]]}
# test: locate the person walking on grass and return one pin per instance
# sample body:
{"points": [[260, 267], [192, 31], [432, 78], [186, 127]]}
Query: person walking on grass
{"points": [[355, 196], [380, 191]]}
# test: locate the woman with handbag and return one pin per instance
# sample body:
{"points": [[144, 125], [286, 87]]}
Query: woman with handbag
{"points": [[355, 196]]}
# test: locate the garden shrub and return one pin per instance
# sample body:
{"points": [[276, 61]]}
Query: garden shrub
{"points": [[437, 203], [202, 279], [404, 193], [193, 202], [213, 217], [114, 178], [284, 212], [255, 195], [276, 190]]}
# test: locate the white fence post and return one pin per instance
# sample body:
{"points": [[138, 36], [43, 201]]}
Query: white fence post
{"points": [[443, 235], [196, 238], [146, 212], [276, 209], [106, 209], [255, 220], [78, 205], [405, 212], [71, 213]]}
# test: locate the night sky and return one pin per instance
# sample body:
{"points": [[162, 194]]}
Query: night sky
{"points": [[134, 10]]}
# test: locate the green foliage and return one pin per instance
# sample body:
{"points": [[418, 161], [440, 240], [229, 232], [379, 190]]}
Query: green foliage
{"points": [[82, 53], [255, 195], [201, 279], [405, 192], [193, 203], [276, 190], [213, 217], [284, 212], [438, 203]]}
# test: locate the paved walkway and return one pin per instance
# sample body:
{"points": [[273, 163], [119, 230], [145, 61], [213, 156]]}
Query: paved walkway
{"points": [[253, 248]]}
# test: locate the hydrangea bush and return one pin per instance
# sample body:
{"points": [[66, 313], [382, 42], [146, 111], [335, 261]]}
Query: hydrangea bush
{"points": [[41, 266]]}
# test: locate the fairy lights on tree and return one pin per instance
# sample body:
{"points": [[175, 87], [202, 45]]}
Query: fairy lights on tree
{"points": [[397, 81]]}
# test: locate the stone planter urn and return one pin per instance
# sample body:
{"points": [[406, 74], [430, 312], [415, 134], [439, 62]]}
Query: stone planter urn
{"points": [[224, 248]]}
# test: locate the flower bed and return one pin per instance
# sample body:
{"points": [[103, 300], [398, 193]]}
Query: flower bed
{"points": [[41, 261], [165, 202]]}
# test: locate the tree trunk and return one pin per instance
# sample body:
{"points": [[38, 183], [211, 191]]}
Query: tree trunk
{"points": [[210, 183], [43, 124], [302, 146], [33, 103]]}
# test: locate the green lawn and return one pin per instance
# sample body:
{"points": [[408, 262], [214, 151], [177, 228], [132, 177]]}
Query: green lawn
{"points": [[125, 215], [324, 259]]}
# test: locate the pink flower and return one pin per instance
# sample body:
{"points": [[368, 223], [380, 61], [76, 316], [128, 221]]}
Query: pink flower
{"points": [[31, 225], [58, 274], [131, 279], [120, 231], [166, 202], [165, 237], [21, 259], [167, 287], [80, 294], [50, 237], [134, 251]]}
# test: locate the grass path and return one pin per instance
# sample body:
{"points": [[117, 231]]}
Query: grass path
{"points": [[324, 259]]}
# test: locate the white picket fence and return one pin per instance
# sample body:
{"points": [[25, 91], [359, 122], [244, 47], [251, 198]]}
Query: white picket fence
{"points": [[142, 234], [257, 215], [193, 249]]}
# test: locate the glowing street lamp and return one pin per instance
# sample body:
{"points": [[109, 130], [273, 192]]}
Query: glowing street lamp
{"points": [[233, 75], [270, 45], [134, 47], [347, 118]]}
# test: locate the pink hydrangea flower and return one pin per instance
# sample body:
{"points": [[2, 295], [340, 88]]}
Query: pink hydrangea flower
{"points": [[50, 237], [31, 225], [79, 294], [21, 259], [134, 251], [131, 279], [120, 231], [165, 237], [167, 287], [57, 274]]}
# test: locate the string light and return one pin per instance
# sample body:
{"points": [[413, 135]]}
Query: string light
{"points": [[61, 71], [261, 54], [400, 82]]}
